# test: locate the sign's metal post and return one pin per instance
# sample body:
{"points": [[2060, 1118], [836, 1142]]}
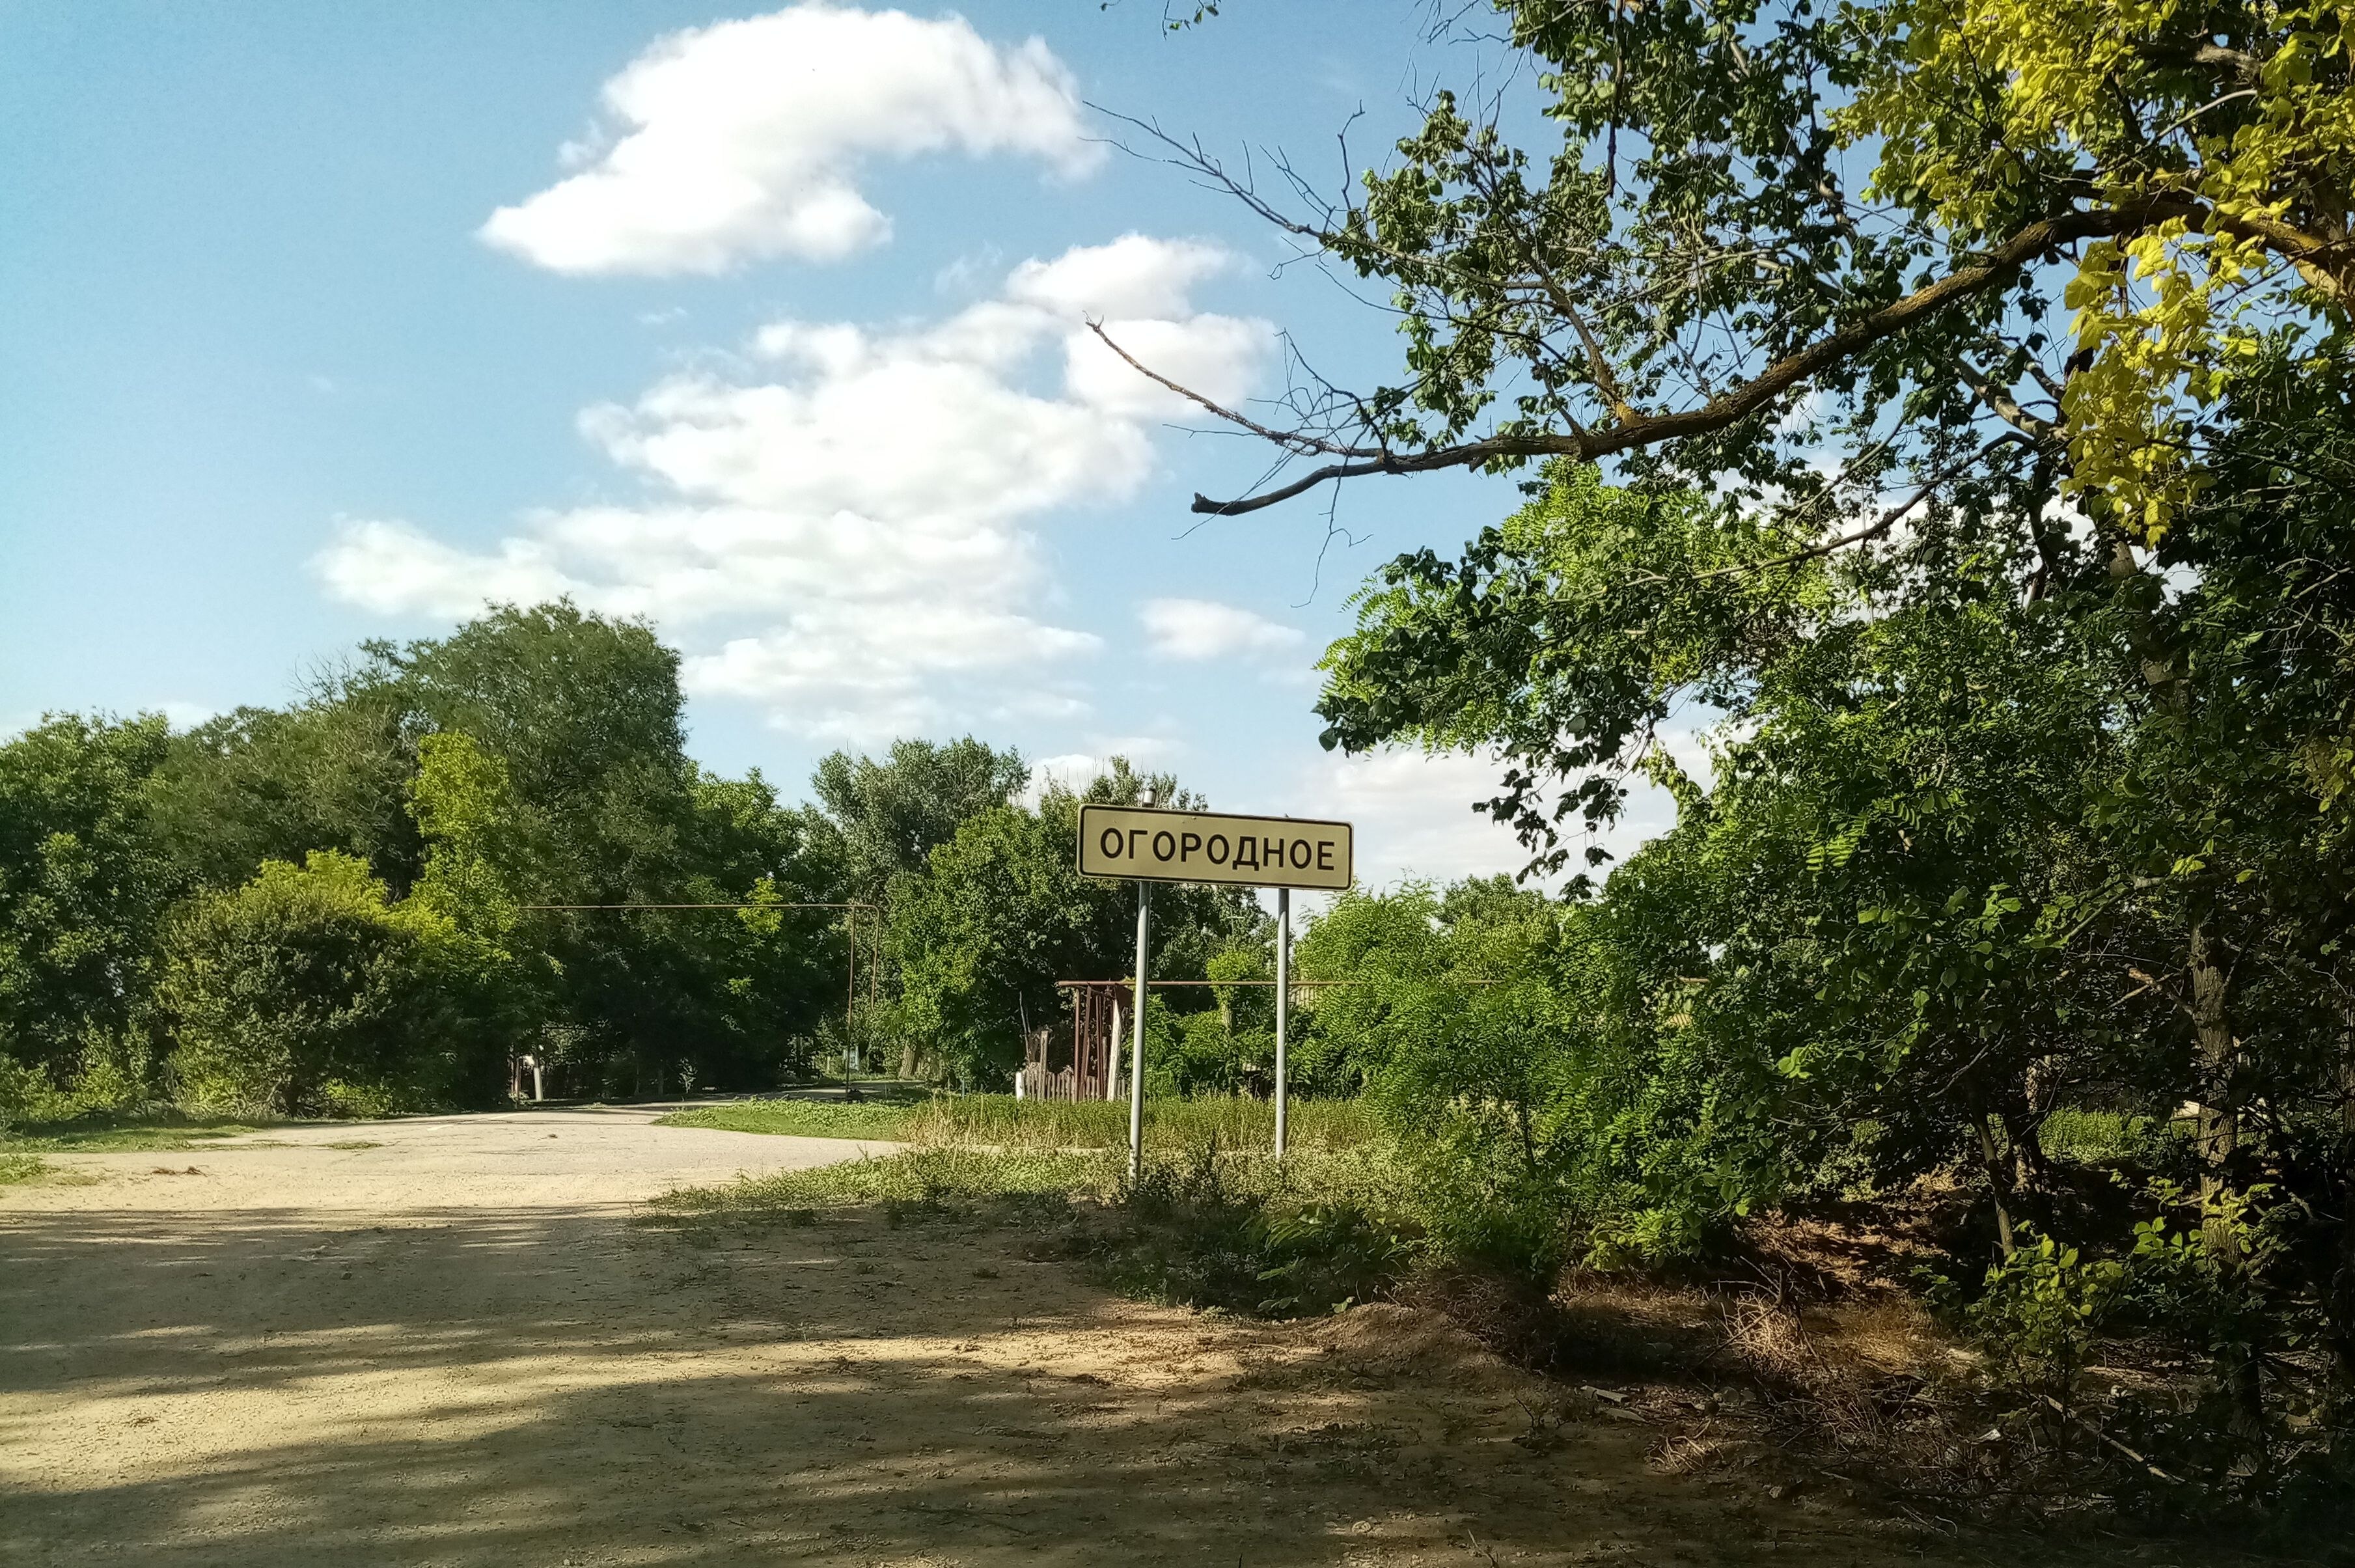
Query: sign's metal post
{"points": [[1112, 1048], [1283, 1002], [1217, 848], [1137, 1051]]}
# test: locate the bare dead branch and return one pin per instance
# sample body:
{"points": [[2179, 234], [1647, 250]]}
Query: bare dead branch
{"points": [[1291, 441]]}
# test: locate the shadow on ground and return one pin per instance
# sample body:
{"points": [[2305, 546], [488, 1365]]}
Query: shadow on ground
{"points": [[562, 1386]]}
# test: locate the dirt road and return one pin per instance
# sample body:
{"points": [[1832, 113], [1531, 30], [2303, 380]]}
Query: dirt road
{"points": [[452, 1345]]}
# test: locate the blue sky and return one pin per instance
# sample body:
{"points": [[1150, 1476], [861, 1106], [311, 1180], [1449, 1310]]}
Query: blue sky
{"points": [[329, 322]]}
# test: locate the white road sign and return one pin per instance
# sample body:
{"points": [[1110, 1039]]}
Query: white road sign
{"points": [[1214, 847]]}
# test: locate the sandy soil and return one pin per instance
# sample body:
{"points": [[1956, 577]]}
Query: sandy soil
{"points": [[456, 1347]]}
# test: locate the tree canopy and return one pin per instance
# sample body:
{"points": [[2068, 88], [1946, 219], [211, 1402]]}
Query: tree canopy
{"points": [[1812, 252]]}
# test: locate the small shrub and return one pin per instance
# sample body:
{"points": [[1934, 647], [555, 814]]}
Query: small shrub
{"points": [[2040, 1312], [1209, 1229], [25, 1093], [1328, 1255], [306, 991]]}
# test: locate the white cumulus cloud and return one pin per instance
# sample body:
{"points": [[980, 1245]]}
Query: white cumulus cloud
{"points": [[389, 566], [1413, 814], [742, 141], [847, 530], [1413, 811], [1199, 629]]}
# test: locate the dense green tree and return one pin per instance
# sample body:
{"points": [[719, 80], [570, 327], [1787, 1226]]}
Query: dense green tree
{"points": [[446, 796], [554, 772], [82, 885], [1467, 1017], [1001, 913], [330, 772], [1782, 250], [1997, 502], [892, 814], [1228, 1048], [770, 978], [582, 713], [309, 991], [1994, 832]]}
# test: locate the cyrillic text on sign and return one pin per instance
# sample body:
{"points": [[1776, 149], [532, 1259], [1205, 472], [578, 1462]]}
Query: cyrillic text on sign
{"points": [[1214, 847]]}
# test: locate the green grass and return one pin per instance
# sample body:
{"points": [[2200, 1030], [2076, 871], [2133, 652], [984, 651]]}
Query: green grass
{"points": [[797, 1118], [1000, 1121], [98, 1133], [1214, 1220], [2103, 1137], [923, 1175], [21, 1167], [1230, 1229], [1367, 1176]]}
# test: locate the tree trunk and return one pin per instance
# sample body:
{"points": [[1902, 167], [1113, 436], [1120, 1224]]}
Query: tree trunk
{"points": [[1998, 1178], [2342, 1293], [2220, 1122], [2209, 963], [2032, 1185], [2240, 1370]]}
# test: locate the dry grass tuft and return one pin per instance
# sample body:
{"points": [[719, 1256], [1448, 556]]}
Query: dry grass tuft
{"points": [[1690, 1453]]}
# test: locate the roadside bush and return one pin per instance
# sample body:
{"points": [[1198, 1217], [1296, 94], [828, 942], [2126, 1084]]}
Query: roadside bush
{"points": [[25, 1092], [82, 887], [1465, 1017], [1328, 1255], [1228, 1049], [1209, 1228], [308, 992], [2255, 1436], [2039, 1312]]}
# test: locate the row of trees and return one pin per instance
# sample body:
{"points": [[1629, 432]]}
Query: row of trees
{"points": [[374, 898], [329, 907]]}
